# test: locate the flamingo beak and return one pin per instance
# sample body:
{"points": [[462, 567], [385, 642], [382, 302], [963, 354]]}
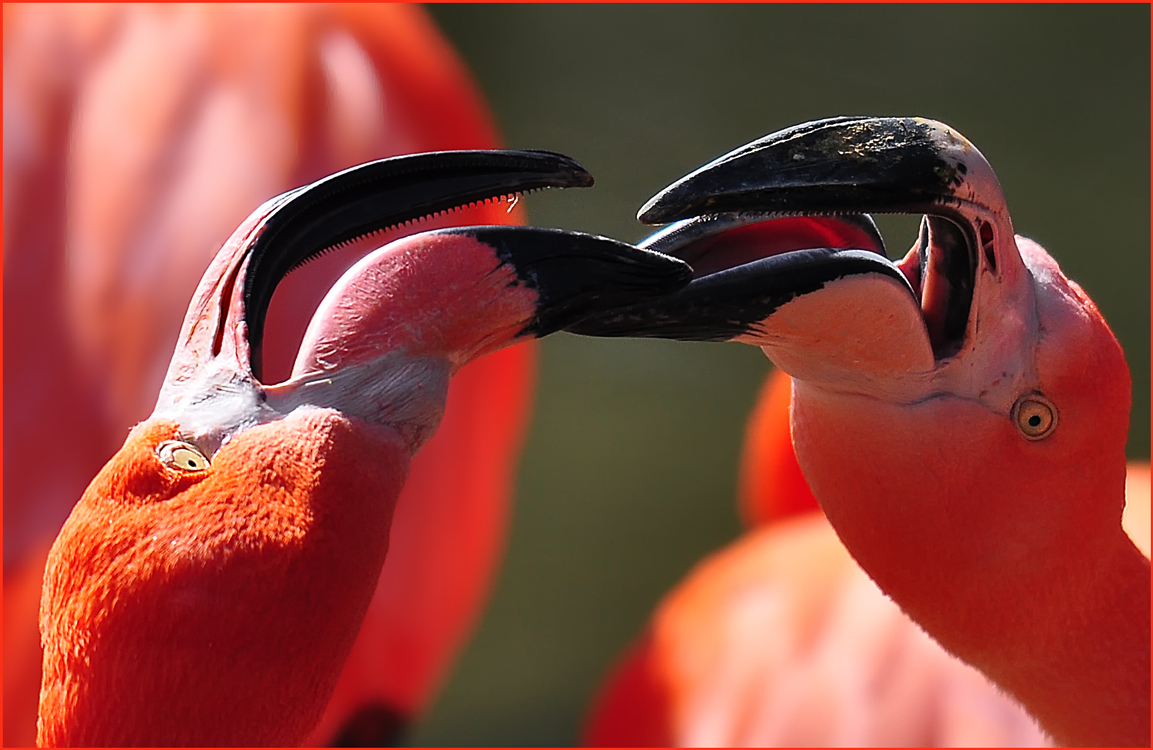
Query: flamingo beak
{"points": [[411, 297], [785, 256]]}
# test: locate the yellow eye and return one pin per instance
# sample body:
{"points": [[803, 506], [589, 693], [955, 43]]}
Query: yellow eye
{"points": [[1035, 415], [176, 454]]}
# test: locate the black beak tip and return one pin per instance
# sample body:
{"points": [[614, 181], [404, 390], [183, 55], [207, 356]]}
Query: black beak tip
{"points": [[654, 211], [681, 200], [576, 274], [567, 171]]}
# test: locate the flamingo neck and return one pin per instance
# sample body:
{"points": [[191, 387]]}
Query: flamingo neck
{"points": [[216, 609], [1021, 569], [1086, 679]]}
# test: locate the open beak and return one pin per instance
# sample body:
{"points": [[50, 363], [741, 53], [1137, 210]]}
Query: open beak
{"points": [[446, 295], [785, 257]]}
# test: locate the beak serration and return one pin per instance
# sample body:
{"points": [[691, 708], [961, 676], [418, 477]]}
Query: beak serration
{"points": [[359, 201]]}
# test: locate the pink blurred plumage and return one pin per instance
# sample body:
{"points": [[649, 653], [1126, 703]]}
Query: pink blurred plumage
{"points": [[137, 138]]}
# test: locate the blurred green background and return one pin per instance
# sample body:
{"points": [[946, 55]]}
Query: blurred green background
{"points": [[629, 473]]}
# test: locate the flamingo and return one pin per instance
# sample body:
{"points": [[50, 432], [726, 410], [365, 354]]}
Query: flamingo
{"points": [[960, 414], [780, 639], [136, 138], [208, 585]]}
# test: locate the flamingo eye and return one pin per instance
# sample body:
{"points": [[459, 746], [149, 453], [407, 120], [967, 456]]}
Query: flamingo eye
{"points": [[182, 456], [1035, 415]]}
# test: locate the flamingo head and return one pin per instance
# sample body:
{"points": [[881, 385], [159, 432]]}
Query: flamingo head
{"points": [[210, 582], [960, 413]]}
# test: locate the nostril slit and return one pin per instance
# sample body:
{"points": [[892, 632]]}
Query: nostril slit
{"points": [[987, 246]]}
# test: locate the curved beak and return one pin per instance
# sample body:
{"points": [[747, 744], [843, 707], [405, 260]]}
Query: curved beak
{"points": [[785, 257], [449, 294], [303, 223]]}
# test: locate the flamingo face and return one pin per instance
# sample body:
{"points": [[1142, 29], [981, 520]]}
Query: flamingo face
{"points": [[960, 414], [210, 582]]}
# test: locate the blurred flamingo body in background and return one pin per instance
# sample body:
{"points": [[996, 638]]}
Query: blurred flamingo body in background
{"points": [[136, 139]]}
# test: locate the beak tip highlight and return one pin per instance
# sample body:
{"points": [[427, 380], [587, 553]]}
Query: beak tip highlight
{"points": [[653, 213], [675, 203], [567, 169]]}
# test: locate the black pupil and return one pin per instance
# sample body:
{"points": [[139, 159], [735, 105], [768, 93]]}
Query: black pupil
{"points": [[1035, 421]]}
